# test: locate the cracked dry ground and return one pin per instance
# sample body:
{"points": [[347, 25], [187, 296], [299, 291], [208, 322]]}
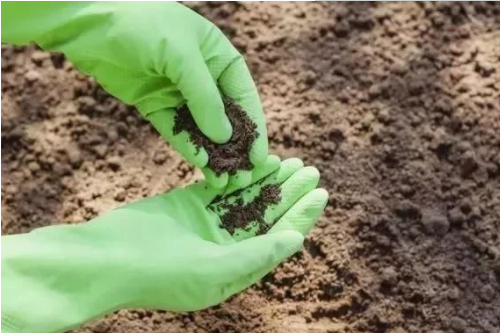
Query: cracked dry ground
{"points": [[398, 106]]}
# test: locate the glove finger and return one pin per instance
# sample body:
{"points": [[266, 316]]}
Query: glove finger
{"points": [[236, 82], [294, 188], [271, 164], [214, 180], [246, 262], [234, 79], [200, 90], [163, 121], [288, 169], [241, 179], [304, 214]]}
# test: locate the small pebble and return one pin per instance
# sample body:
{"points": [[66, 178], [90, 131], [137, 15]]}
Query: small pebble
{"points": [[487, 293], [407, 208], [160, 157], [120, 195], [113, 134], [341, 29], [407, 190], [399, 330], [443, 106], [416, 88], [32, 76], [74, 156], [34, 166], [399, 67], [39, 56], [458, 324], [389, 276], [456, 217], [113, 162], [101, 327], [384, 116], [453, 294], [86, 103], [466, 206], [101, 150], [61, 169], [468, 164], [435, 224]]}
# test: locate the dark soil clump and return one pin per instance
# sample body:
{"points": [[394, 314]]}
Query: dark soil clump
{"points": [[240, 215], [228, 157]]}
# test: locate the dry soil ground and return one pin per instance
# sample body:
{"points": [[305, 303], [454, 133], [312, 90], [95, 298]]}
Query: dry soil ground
{"points": [[398, 106]]}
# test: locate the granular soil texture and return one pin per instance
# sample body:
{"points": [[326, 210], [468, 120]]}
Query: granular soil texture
{"points": [[240, 215], [397, 105], [228, 157]]}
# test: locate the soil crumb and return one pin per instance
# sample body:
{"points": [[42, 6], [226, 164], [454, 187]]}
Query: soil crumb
{"points": [[240, 215], [228, 157]]}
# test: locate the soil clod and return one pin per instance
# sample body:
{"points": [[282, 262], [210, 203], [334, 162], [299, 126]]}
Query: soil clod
{"points": [[228, 157]]}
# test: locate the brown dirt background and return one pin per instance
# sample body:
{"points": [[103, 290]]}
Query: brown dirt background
{"points": [[398, 106]]}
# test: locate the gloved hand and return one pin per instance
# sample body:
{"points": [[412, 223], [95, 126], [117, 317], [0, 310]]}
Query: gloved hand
{"points": [[154, 55], [166, 252]]}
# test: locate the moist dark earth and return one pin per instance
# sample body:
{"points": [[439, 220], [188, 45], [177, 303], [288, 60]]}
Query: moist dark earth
{"points": [[231, 156], [240, 215], [398, 106]]}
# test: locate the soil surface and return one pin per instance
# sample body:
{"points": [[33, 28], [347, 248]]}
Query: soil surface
{"points": [[398, 106], [231, 156], [239, 215]]}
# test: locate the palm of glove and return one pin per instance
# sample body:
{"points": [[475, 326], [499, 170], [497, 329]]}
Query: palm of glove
{"points": [[186, 261]]}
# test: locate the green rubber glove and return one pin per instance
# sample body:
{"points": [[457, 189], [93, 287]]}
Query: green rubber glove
{"points": [[153, 55], [166, 252]]}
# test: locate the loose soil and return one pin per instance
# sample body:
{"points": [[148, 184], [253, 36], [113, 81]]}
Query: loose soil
{"points": [[397, 105], [240, 215], [231, 156]]}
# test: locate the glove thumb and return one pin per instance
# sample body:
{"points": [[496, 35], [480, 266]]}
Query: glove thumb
{"points": [[253, 258]]}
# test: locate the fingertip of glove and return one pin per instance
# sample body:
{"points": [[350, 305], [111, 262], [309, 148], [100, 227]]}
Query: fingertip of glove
{"points": [[210, 116], [221, 133], [321, 195], [215, 181], [303, 215], [293, 162], [258, 154], [273, 159], [200, 158], [311, 172], [242, 179]]}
